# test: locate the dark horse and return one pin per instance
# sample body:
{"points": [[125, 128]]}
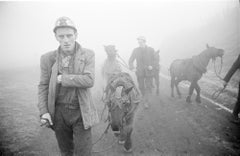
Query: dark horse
{"points": [[191, 70], [122, 109]]}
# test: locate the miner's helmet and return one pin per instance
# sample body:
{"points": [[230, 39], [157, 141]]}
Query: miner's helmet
{"points": [[141, 38], [64, 22]]}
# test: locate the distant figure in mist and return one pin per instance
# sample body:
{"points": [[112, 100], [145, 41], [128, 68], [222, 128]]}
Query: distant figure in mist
{"points": [[144, 56], [232, 70], [65, 101], [111, 65]]}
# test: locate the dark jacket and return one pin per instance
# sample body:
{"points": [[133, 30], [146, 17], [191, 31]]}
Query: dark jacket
{"points": [[144, 57], [232, 70]]}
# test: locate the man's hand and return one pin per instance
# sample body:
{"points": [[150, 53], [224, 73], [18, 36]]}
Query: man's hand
{"points": [[46, 120], [59, 78], [150, 67]]}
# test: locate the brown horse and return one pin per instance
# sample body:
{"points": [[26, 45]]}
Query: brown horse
{"points": [[192, 70], [122, 109]]}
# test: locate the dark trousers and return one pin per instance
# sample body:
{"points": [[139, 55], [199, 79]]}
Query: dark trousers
{"points": [[71, 136], [144, 84], [236, 109]]}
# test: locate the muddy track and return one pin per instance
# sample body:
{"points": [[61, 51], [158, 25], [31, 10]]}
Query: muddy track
{"points": [[169, 127]]}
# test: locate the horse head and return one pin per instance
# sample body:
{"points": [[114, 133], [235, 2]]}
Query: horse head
{"points": [[110, 50], [215, 52]]}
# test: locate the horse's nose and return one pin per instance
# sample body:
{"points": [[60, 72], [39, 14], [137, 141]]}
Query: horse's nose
{"points": [[221, 52]]}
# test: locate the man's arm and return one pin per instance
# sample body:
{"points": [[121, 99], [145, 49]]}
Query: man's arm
{"points": [[232, 70], [84, 80], [43, 86]]}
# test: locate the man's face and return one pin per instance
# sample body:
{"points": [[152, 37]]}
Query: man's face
{"points": [[142, 43], [66, 38]]}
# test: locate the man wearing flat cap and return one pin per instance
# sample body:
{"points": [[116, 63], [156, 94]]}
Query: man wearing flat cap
{"points": [[65, 101], [144, 56]]}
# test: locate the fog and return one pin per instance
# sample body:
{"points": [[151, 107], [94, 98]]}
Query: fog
{"points": [[26, 27]]}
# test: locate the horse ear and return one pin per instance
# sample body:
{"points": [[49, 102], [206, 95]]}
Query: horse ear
{"points": [[207, 46]]}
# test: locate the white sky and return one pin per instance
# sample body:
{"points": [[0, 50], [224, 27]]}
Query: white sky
{"points": [[26, 27]]}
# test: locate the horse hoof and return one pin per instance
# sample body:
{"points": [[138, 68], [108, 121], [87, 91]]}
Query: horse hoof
{"points": [[121, 142], [127, 146], [198, 100], [188, 100], [127, 150]]}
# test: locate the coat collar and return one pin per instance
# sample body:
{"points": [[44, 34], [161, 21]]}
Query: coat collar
{"points": [[79, 60]]}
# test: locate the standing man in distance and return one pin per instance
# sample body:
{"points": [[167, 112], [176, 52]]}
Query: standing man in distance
{"points": [[65, 101], [144, 56]]}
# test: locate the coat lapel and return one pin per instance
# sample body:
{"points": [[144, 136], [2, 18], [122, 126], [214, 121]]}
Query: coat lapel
{"points": [[52, 89], [79, 62]]}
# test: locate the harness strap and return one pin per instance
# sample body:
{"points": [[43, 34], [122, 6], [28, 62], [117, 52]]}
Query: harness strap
{"points": [[217, 93]]}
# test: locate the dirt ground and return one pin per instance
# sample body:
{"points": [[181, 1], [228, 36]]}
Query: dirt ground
{"points": [[169, 127]]}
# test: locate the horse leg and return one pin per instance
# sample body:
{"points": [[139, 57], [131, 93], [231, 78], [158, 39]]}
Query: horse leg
{"points": [[177, 88], [198, 98], [191, 88], [172, 85], [148, 91], [127, 130], [157, 83]]}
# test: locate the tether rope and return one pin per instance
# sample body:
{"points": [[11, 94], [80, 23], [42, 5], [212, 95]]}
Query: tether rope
{"points": [[217, 93]]}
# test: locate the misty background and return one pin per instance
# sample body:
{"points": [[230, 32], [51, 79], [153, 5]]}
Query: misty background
{"points": [[179, 29]]}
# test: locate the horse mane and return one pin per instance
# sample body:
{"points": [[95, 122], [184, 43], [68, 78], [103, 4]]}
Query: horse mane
{"points": [[200, 61]]}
